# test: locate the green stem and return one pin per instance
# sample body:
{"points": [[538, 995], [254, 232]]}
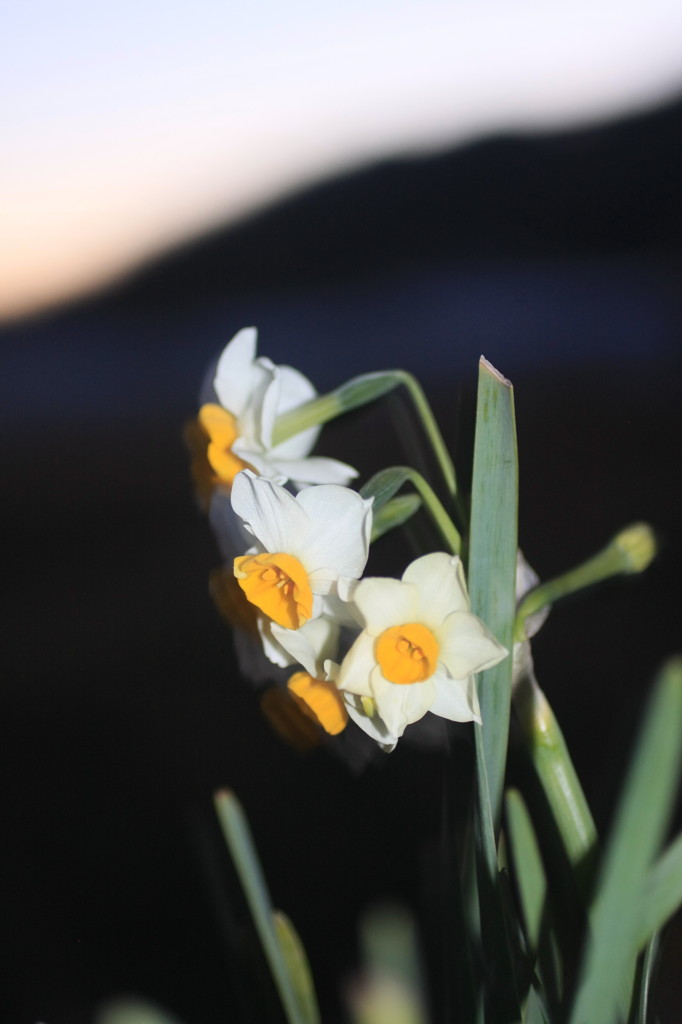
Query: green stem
{"points": [[552, 762], [440, 517], [630, 551], [360, 391]]}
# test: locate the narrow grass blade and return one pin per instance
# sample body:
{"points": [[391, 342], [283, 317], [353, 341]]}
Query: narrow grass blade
{"points": [[492, 560], [662, 893], [643, 814], [240, 843], [298, 966], [528, 870]]}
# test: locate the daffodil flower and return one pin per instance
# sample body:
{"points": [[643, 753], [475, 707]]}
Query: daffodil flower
{"points": [[235, 423], [419, 647], [304, 545]]}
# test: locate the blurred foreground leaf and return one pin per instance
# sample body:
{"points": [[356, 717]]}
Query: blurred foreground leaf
{"points": [[643, 814], [286, 964]]}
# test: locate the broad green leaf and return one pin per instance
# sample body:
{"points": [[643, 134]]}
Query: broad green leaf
{"points": [[492, 560], [528, 869], [394, 513], [662, 893], [605, 982], [298, 966], [238, 837]]}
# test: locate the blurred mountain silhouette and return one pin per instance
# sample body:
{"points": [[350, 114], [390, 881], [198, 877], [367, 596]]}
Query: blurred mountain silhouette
{"points": [[598, 191]]}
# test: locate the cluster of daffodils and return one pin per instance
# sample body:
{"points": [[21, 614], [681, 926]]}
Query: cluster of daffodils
{"points": [[345, 648]]}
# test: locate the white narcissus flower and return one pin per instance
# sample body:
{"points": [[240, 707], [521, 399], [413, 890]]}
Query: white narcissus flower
{"points": [[304, 545], [420, 645], [251, 393]]}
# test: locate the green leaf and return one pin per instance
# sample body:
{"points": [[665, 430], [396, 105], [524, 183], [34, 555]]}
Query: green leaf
{"points": [[298, 967], [662, 893], [606, 979], [238, 837], [394, 513], [384, 484], [645, 982], [492, 561], [528, 869]]}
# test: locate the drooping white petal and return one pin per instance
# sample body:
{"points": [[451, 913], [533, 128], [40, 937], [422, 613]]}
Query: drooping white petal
{"points": [[439, 578], [272, 648], [384, 602], [399, 706], [374, 727], [456, 699], [235, 374], [340, 529], [311, 645], [272, 514], [467, 646]]}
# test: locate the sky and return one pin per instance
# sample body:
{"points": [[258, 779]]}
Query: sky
{"points": [[127, 127]]}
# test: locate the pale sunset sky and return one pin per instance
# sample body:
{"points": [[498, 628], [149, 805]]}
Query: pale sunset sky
{"points": [[127, 127]]}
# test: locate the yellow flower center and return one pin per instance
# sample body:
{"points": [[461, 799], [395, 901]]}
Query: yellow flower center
{"points": [[220, 427], [278, 585], [319, 700], [407, 654]]}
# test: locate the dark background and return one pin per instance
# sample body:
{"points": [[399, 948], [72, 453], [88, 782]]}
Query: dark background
{"points": [[556, 256]]}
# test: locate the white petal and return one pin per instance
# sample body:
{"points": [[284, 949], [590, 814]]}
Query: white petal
{"points": [[253, 431], [357, 667], [234, 377], [467, 646], [374, 726], [340, 528], [315, 470], [384, 602], [273, 515], [293, 389], [455, 699], [399, 706], [439, 578], [311, 645], [272, 648]]}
